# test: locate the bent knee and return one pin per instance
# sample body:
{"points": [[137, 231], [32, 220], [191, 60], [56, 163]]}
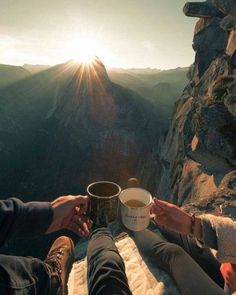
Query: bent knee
{"points": [[164, 256], [173, 250]]}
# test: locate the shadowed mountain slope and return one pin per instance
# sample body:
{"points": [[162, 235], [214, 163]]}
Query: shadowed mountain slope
{"points": [[11, 74], [69, 125]]}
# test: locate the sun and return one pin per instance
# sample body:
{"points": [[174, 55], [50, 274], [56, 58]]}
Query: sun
{"points": [[84, 50]]}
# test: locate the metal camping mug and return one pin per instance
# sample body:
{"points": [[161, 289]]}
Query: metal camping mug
{"points": [[103, 201]]}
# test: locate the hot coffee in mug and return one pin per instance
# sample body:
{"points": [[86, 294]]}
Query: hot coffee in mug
{"points": [[135, 208]]}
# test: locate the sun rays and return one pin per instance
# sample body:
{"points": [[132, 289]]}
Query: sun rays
{"points": [[84, 50], [89, 85]]}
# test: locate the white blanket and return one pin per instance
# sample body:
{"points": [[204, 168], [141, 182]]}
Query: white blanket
{"points": [[143, 278]]}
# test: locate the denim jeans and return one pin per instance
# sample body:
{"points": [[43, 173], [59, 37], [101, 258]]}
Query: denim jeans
{"points": [[188, 275], [106, 269], [23, 275]]}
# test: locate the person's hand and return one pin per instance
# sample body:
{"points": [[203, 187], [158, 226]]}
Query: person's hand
{"points": [[228, 271], [171, 216], [69, 212]]}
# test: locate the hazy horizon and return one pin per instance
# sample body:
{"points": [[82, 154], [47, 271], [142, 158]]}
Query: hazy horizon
{"points": [[128, 34], [107, 67]]}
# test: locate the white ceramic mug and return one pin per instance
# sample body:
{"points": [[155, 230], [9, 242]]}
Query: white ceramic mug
{"points": [[135, 218]]}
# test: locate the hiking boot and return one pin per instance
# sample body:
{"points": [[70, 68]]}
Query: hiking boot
{"points": [[59, 262]]}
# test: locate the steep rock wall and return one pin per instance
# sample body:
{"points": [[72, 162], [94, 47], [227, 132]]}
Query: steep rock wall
{"points": [[199, 153]]}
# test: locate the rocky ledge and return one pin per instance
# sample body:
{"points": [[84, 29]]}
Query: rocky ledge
{"points": [[199, 154]]}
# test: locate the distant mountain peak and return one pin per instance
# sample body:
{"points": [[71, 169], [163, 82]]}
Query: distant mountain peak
{"points": [[89, 91], [90, 70]]}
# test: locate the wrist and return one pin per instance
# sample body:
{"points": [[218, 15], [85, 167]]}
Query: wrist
{"points": [[188, 224], [195, 227], [198, 228]]}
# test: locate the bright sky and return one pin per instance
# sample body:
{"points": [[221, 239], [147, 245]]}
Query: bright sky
{"points": [[124, 33]]}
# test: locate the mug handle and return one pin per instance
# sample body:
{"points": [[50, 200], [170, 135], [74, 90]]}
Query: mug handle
{"points": [[152, 215], [133, 182]]}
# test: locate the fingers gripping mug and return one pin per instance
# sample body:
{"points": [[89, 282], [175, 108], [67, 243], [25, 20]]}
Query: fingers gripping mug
{"points": [[135, 205]]}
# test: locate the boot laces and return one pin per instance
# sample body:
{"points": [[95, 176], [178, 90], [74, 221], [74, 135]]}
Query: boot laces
{"points": [[53, 260]]}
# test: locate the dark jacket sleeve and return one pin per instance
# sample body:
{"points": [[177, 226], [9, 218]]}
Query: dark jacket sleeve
{"points": [[18, 219]]}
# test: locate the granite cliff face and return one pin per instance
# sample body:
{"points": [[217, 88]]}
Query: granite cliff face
{"points": [[199, 155]]}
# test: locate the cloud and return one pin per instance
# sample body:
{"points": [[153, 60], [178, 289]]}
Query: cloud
{"points": [[148, 45], [6, 42], [17, 51]]}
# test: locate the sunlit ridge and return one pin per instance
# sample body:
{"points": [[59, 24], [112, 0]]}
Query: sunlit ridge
{"points": [[86, 58]]}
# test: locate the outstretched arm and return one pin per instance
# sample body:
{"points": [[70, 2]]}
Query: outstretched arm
{"points": [[69, 212], [18, 219], [175, 218], [215, 232]]}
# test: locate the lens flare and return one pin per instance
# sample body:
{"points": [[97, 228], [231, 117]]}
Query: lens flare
{"points": [[83, 50]]}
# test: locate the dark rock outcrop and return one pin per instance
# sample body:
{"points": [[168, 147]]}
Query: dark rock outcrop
{"points": [[226, 6], [201, 9], [209, 42], [228, 23]]}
